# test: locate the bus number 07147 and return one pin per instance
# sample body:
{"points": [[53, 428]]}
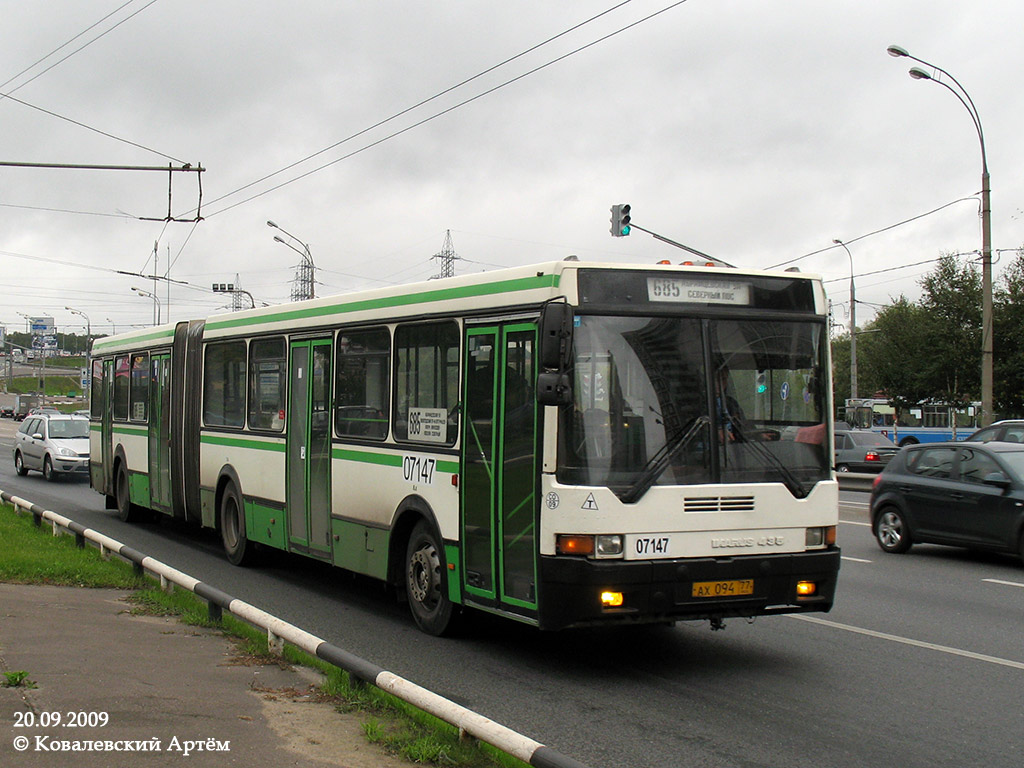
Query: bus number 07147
{"points": [[417, 469]]}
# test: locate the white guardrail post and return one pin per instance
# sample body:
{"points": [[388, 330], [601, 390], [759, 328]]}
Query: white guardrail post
{"points": [[280, 631]]}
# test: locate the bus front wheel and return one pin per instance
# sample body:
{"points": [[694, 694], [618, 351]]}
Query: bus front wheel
{"points": [[237, 547], [908, 441], [424, 581]]}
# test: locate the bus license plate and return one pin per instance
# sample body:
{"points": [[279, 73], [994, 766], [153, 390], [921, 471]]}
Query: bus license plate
{"points": [[723, 588]]}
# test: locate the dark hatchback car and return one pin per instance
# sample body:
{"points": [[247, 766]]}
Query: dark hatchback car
{"points": [[860, 450], [960, 494]]}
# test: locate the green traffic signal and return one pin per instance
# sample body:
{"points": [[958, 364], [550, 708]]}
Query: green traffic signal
{"points": [[620, 220]]}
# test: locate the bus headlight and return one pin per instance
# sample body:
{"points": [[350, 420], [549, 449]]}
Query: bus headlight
{"points": [[589, 545], [609, 545], [818, 538]]}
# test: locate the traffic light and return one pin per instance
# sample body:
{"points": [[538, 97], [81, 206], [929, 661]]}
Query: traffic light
{"points": [[620, 220], [761, 382]]}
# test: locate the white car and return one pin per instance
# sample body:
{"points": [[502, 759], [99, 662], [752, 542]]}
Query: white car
{"points": [[54, 444]]}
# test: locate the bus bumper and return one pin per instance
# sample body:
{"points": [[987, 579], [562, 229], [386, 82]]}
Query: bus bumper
{"points": [[663, 590]]}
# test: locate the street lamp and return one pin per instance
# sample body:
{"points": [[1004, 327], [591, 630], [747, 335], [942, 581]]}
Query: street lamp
{"points": [[305, 279], [156, 303], [853, 324], [88, 326], [986, 226], [113, 327]]}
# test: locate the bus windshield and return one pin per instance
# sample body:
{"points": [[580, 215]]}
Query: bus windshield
{"points": [[683, 401]]}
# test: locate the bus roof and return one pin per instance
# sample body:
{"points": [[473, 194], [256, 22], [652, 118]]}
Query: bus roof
{"points": [[496, 290]]}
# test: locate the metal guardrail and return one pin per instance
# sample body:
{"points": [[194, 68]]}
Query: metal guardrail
{"points": [[279, 631]]}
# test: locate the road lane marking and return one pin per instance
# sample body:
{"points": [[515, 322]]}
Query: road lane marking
{"points": [[855, 522], [1004, 583], [909, 641], [855, 559]]}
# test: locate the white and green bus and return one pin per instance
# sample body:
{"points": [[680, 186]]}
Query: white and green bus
{"points": [[566, 444]]}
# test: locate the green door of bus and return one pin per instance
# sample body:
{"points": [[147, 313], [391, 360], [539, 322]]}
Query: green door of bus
{"points": [[499, 473], [107, 428], [309, 447], [160, 433]]}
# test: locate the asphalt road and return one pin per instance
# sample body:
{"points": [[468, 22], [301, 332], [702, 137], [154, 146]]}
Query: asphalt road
{"points": [[920, 664]]}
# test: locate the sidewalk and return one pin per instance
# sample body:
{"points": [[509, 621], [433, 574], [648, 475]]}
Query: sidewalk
{"points": [[155, 679]]}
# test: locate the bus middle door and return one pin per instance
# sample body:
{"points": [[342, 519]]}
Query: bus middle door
{"points": [[499, 474], [309, 447]]}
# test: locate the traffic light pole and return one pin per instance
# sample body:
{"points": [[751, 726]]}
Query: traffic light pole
{"points": [[694, 251]]}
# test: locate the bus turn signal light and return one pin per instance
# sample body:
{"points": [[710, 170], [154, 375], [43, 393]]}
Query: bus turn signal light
{"points": [[611, 599], [574, 544]]}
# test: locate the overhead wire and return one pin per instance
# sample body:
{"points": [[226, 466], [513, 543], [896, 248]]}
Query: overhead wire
{"points": [[436, 115], [7, 95]]}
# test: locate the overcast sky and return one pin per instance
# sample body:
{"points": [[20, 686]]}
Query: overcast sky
{"points": [[754, 130]]}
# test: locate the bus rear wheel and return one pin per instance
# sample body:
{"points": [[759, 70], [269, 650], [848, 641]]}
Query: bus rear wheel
{"points": [[424, 582], [237, 547], [127, 511]]}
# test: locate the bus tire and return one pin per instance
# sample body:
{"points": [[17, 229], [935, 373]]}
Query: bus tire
{"points": [[237, 547], [127, 511], [424, 581], [891, 530], [909, 441]]}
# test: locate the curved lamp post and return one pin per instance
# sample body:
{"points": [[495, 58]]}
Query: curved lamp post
{"points": [[986, 226], [853, 324], [307, 278], [156, 303], [88, 326]]}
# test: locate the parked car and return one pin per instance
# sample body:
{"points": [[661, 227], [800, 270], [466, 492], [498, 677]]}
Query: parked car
{"points": [[860, 450], [1008, 431], [54, 444], [7, 412], [960, 494]]}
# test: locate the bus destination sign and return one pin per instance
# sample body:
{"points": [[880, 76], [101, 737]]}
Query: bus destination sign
{"points": [[683, 290]]}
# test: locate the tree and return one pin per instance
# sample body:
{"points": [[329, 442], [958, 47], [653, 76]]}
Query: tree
{"points": [[952, 332], [896, 354], [1008, 341]]}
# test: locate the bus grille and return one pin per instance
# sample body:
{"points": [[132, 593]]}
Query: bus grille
{"points": [[719, 504]]}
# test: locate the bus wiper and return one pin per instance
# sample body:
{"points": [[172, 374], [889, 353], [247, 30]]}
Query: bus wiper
{"points": [[660, 461], [791, 481]]}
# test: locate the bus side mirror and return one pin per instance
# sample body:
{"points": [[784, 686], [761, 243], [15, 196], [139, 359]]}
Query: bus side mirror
{"points": [[556, 321], [554, 389]]}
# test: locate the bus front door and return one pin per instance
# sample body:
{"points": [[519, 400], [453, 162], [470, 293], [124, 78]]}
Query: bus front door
{"points": [[309, 447], [499, 473]]}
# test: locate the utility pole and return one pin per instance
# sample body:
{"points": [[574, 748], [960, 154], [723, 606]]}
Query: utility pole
{"points": [[447, 257]]}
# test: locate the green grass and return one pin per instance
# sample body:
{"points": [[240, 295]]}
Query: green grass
{"points": [[30, 555], [56, 386], [34, 556], [17, 679]]}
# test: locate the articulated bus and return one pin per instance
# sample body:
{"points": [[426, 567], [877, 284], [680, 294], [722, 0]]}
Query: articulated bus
{"points": [[567, 444], [920, 423]]}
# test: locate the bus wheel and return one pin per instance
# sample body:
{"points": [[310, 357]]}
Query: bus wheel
{"points": [[424, 584], [908, 441], [125, 509], [239, 549]]}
